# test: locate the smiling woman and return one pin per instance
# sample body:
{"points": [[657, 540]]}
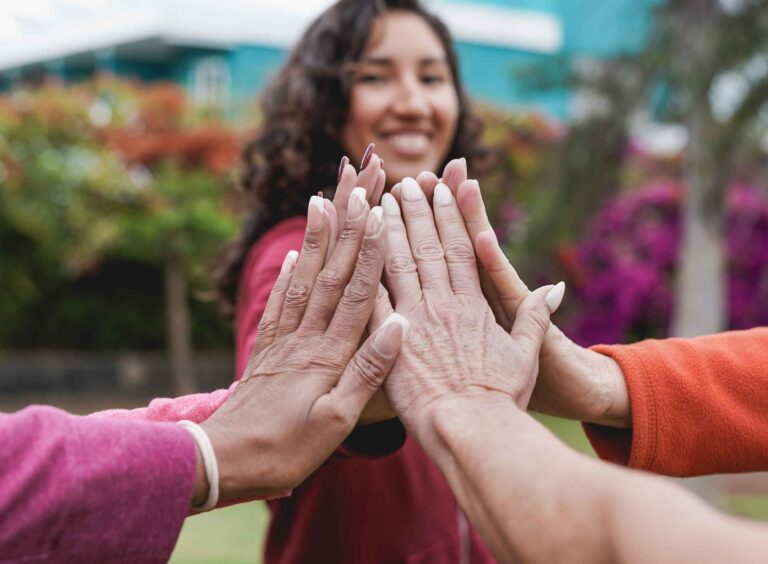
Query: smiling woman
{"points": [[403, 96], [381, 71]]}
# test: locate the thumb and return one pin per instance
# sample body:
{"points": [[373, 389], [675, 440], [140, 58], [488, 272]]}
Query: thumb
{"points": [[366, 371], [532, 320]]}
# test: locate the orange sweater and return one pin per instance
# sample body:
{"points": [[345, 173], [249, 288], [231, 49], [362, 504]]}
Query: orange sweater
{"points": [[699, 406]]}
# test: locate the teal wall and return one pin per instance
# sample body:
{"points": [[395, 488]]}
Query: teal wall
{"points": [[252, 68], [590, 28], [502, 76]]}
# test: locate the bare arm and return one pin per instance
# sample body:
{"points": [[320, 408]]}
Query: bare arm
{"points": [[536, 500], [460, 386]]}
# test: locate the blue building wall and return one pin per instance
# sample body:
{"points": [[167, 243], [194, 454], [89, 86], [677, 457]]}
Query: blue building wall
{"points": [[591, 28]]}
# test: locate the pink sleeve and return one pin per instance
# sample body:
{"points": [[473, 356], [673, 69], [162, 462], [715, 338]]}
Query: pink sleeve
{"points": [[195, 407], [79, 489]]}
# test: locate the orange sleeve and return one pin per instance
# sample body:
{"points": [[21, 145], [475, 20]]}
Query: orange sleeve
{"points": [[699, 406]]}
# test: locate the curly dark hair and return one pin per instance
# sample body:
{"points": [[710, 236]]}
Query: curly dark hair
{"points": [[297, 149]]}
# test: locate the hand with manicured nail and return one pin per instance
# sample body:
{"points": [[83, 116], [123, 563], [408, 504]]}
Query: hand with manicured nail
{"points": [[371, 178], [308, 379], [573, 382], [455, 347]]}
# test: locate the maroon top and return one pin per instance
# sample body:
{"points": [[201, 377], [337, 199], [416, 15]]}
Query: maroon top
{"points": [[396, 508]]}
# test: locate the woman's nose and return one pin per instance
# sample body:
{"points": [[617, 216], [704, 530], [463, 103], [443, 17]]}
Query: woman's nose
{"points": [[411, 100]]}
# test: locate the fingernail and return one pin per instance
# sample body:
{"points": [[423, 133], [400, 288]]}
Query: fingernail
{"points": [[391, 335], [319, 193], [356, 205], [443, 196], [289, 262], [344, 162], [389, 204], [555, 297], [374, 222], [381, 161], [367, 156], [411, 190], [315, 214]]}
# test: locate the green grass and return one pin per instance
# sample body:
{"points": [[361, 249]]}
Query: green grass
{"points": [[751, 506], [233, 535]]}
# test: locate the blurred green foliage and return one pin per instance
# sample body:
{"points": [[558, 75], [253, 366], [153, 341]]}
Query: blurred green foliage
{"points": [[100, 184]]}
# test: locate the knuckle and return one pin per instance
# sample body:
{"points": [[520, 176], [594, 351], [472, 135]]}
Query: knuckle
{"points": [[402, 264], [537, 321], [368, 369], [312, 245], [459, 252], [429, 251], [420, 212], [340, 416], [358, 293], [369, 256], [297, 295], [267, 327], [350, 234], [329, 280]]}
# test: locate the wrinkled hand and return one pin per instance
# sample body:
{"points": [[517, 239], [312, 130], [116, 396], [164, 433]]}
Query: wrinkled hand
{"points": [[454, 347], [372, 179], [573, 382], [307, 382]]}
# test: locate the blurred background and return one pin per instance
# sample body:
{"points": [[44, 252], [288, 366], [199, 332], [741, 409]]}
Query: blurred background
{"points": [[632, 134]]}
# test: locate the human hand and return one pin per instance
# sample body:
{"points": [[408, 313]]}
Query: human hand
{"points": [[372, 179], [307, 382], [455, 347], [573, 381]]}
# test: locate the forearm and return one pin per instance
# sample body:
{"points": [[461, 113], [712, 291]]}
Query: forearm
{"points": [[535, 500], [80, 488]]}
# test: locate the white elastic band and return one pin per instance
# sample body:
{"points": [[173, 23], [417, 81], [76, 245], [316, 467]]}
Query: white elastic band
{"points": [[209, 462]]}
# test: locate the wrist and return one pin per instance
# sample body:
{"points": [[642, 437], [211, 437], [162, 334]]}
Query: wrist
{"points": [[200, 491], [456, 413], [616, 411]]}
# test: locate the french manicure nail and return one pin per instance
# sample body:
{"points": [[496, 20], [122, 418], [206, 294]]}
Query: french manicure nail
{"points": [[391, 335], [443, 196], [389, 204], [315, 213], [554, 297], [356, 204], [367, 156], [289, 262], [374, 222], [344, 162], [411, 190]]}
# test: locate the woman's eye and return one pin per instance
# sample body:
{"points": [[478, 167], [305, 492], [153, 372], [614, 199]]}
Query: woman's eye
{"points": [[370, 78], [433, 79]]}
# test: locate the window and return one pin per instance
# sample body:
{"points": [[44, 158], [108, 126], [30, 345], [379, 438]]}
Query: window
{"points": [[210, 82]]}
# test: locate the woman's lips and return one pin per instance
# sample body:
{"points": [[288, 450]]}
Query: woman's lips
{"points": [[412, 144]]}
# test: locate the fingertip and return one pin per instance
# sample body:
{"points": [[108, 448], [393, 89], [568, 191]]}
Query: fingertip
{"points": [[289, 262], [554, 296], [485, 244], [390, 205], [391, 335]]}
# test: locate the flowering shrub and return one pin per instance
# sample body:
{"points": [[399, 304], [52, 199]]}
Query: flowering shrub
{"points": [[102, 185], [622, 272]]}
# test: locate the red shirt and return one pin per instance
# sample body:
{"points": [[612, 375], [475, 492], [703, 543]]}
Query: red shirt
{"points": [[397, 508]]}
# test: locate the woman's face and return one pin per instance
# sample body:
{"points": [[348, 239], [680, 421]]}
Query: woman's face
{"points": [[403, 98]]}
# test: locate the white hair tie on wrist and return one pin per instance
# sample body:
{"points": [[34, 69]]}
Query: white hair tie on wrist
{"points": [[209, 462]]}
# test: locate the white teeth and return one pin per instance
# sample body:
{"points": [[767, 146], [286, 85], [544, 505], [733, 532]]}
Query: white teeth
{"points": [[410, 142]]}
